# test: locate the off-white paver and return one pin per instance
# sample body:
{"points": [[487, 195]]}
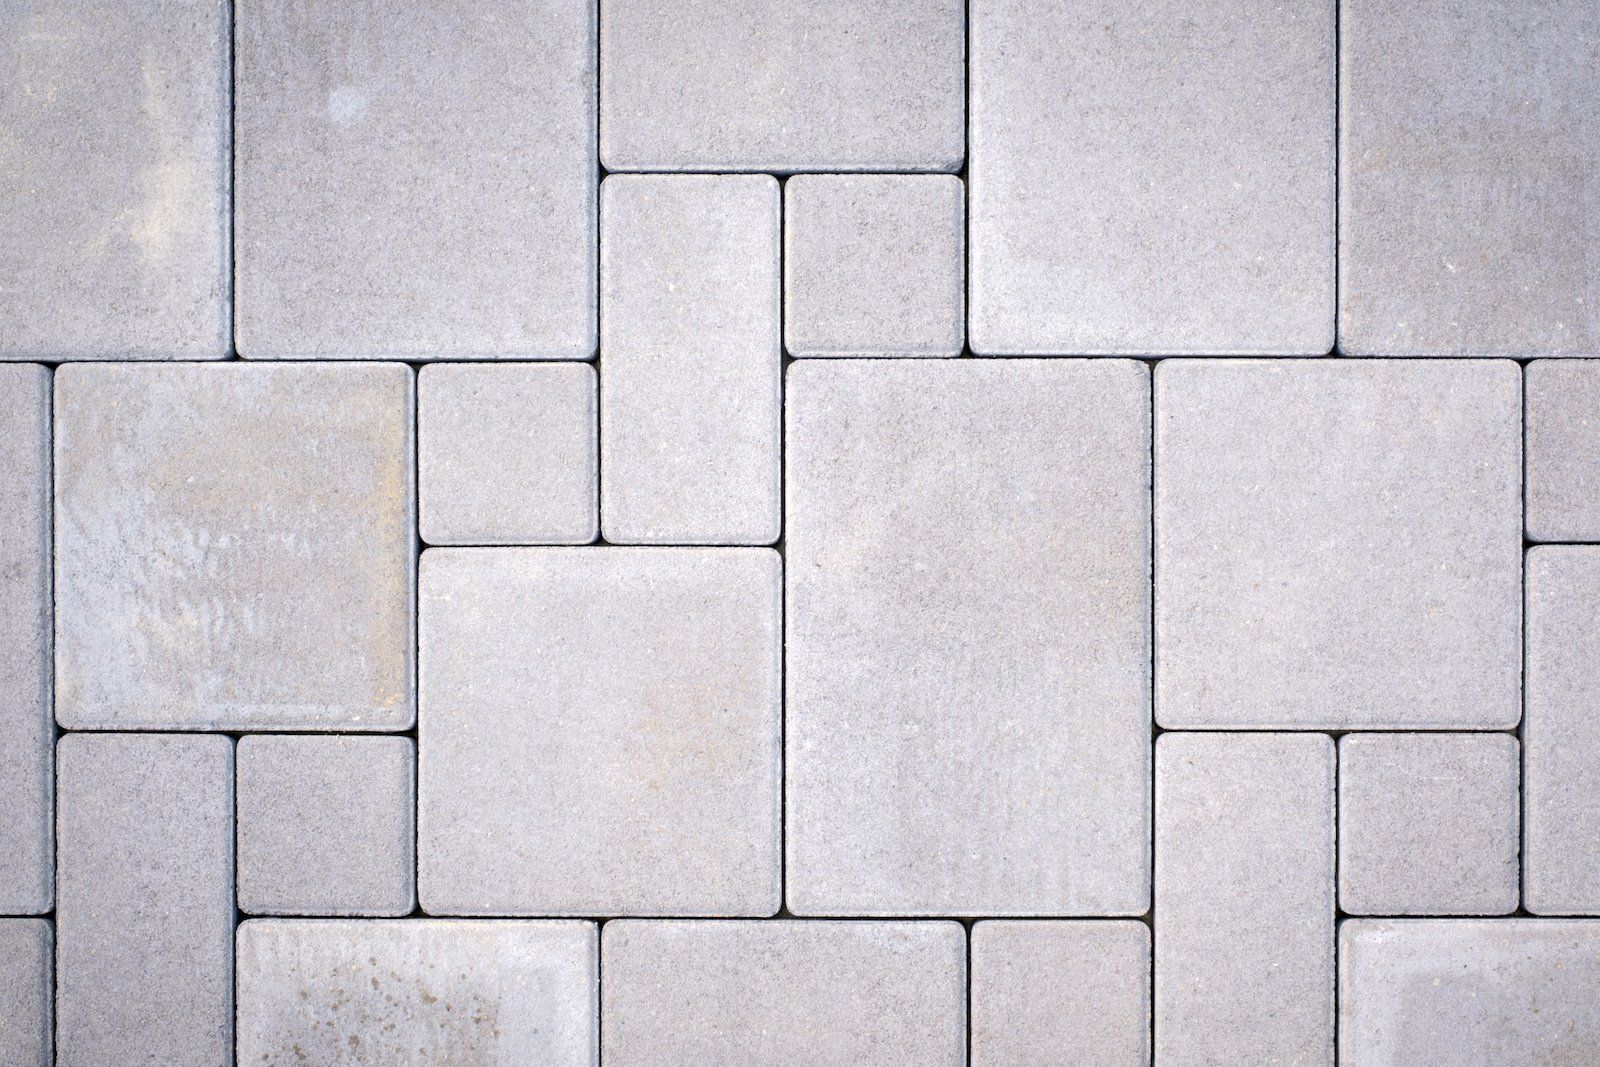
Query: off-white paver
{"points": [[25, 982], [968, 603], [1563, 443], [1338, 544], [234, 546]]}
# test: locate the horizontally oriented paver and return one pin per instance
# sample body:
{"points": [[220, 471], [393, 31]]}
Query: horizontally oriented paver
{"points": [[234, 546], [1563, 442], [967, 551], [25, 986], [1338, 544]]}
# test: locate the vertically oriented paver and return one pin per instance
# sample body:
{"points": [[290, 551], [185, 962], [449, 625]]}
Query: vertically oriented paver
{"points": [[26, 1020], [144, 901], [114, 177], [1244, 908], [415, 181], [1563, 443], [691, 374], [968, 601], [234, 546], [1469, 178]]}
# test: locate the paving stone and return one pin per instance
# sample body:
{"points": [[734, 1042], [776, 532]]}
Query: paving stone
{"points": [[25, 980], [1244, 908], [1338, 544], [1149, 181], [144, 904], [326, 825], [508, 454], [374, 991], [874, 265], [234, 546], [600, 731], [416, 181], [1563, 442], [1049, 993], [774, 86], [1428, 824], [692, 378], [828, 994], [114, 177], [968, 638], [1489, 991], [1469, 178]]}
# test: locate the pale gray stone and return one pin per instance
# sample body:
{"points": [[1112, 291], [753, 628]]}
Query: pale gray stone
{"points": [[375, 991], [1244, 908], [771, 85], [25, 981], [235, 546], [144, 904], [326, 825], [1050, 993], [508, 454], [692, 372], [1469, 178], [1338, 544], [1507, 992], [968, 637], [114, 177], [599, 731], [1152, 179], [874, 265], [827, 994], [416, 181], [1428, 824], [1563, 442]]}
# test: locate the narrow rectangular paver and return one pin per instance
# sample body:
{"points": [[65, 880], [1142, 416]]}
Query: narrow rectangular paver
{"points": [[968, 638], [26, 1020], [1244, 908], [1563, 443]]}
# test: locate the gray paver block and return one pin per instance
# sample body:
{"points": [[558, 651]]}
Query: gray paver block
{"points": [[1468, 991], [1428, 824], [829, 994], [1145, 181], [599, 731], [326, 825], [114, 177], [27, 734], [1244, 910], [968, 637], [1049, 993], [769, 85], [234, 546], [874, 265], [1469, 178], [1338, 544], [347, 992], [25, 980], [144, 904], [416, 181], [1563, 442], [508, 454], [692, 373]]}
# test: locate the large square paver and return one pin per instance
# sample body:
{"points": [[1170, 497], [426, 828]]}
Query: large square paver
{"points": [[26, 1019], [416, 181], [828, 994], [968, 637], [1338, 544], [599, 731], [234, 546], [1563, 442]]}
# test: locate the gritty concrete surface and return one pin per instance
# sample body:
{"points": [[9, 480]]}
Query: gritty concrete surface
{"points": [[25, 979], [1563, 443]]}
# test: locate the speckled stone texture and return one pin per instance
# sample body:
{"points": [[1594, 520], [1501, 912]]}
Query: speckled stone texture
{"points": [[25, 980], [1563, 442]]}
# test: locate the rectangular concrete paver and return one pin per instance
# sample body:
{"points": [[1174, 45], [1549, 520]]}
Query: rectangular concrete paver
{"points": [[25, 985], [1563, 443]]}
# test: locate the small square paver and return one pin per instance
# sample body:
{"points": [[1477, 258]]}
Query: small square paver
{"points": [[1428, 824], [1563, 442], [874, 265], [599, 731], [326, 825], [235, 546], [26, 1019], [828, 994], [508, 454], [415, 181], [1338, 544]]}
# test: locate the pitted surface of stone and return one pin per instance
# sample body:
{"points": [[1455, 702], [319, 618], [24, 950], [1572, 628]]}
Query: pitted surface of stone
{"points": [[1563, 442], [25, 981]]}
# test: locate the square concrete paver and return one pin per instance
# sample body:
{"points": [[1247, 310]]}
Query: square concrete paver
{"points": [[599, 731], [341, 993], [25, 986], [827, 994], [114, 180], [234, 546], [1563, 442], [1338, 544], [968, 637], [416, 181]]}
